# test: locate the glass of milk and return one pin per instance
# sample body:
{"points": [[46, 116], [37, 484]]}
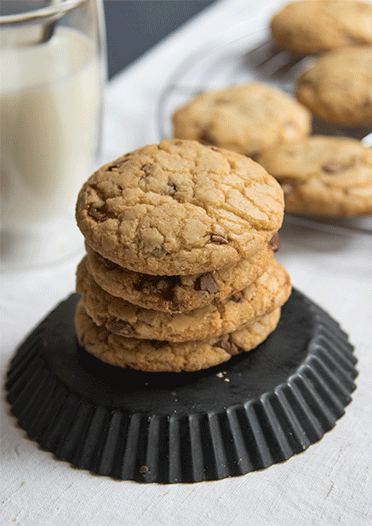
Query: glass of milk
{"points": [[52, 75]]}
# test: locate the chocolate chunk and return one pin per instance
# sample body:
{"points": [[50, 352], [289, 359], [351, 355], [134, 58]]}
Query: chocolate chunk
{"points": [[146, 168], [97, 213], [274, 243], [228, 346], [156, 285], [120, 327], [109, 265], [207, 283], [171, 188], [205, 136], [220, 307], [237, 297], [335, 167], [219, 239], [117, 165], [163, 286]]}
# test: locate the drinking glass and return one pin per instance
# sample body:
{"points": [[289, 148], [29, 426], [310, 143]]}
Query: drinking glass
{"points": [[52, 76]]}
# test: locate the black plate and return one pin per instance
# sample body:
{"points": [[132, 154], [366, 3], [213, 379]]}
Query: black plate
{"points": [[257, 409]]}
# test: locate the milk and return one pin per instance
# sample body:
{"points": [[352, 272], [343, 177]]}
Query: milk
{"points": [[49, 107]]}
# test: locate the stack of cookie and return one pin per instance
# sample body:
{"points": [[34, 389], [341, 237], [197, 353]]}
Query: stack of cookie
{"points": [[179, 273]]}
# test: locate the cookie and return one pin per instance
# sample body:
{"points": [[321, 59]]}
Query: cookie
{"points": [[176, 293], [153, 356], [179, 208], [338, 87], [267, 293], [246, 119], [315, 26], [327, 176]]}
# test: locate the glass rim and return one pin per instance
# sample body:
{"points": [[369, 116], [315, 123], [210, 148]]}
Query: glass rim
{"points": [[51, 11]]}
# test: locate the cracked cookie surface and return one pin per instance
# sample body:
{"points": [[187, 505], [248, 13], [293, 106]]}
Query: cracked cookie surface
{"points": [[329, 176], [154, 356], [246, 118], [314, 26], [179, 207], [338, 87], [270, 291], [176, 293]]}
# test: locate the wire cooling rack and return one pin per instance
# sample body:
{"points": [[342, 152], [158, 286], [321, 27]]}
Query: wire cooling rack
{"points": [[238, 55]]}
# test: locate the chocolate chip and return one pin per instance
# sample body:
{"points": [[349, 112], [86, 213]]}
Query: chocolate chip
{"points": [[171, 188], [120, 327], [117, 165], [207, 283], [109, 265], [220, 307], [155, 285], [143, 470], [335, 167], [205, 136], [219, 239], [146, 168], [274, 243], [237, 297], [98, 213], [228, 346], [163, 286]]}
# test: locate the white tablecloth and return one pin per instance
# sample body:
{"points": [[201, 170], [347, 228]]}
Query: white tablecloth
{"points": [[328, 484]]}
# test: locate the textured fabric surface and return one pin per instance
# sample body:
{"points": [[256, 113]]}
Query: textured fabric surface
{"points": [[326, 485]]}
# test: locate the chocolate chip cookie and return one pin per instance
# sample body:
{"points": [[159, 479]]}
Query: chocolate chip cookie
{"points": [[337, 88], [176, 293], [179, 207], [326, 176], [246, 119], [155, 356], [315, 26], [270, 291]]}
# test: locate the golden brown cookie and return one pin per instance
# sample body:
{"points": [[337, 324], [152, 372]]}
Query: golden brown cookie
{"points": [[154, 356], [179, 207], [268, 292], [338, 87], [326, 176], [246, 119], [314, 26], [176, 293]]}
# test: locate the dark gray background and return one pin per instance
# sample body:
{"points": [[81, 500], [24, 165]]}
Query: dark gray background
{"points": [[134, 26]]}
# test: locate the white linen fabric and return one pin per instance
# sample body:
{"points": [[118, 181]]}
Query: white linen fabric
{"points": [[328, 484]]}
